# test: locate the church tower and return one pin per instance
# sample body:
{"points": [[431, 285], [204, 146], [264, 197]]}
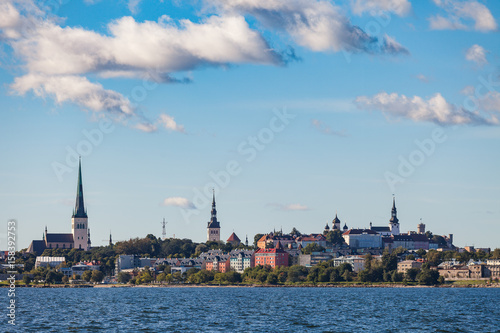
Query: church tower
{"points": [[79, 221], [336, 223], [394, 221], [213, 227]]}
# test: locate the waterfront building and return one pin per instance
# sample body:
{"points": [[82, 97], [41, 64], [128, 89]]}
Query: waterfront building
{"points": [[241, 260], [273, 257], [217, 263], [213, 226], [357, 262], [405, 265], [51, 262]]}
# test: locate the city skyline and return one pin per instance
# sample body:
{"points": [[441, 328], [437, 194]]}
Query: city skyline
{"points": [[290, 121]]}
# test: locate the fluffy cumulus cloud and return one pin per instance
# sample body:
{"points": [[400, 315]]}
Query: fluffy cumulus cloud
{"points": [[374, 7], [318, 25], [435, 109], [463, 15], [179, 202], [476, 54], [58, 60]]}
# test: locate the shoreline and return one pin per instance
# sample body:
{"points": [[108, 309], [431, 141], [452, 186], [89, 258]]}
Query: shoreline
{"points": [[259, 286]]}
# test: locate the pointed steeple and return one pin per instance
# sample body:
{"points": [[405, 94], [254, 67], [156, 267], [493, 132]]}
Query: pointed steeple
{"points": [[79, 211], [394, 212], [213, 218]]}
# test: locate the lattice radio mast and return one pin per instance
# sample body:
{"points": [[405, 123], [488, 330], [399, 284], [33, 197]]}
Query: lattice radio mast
{"points": [[164, 229]]}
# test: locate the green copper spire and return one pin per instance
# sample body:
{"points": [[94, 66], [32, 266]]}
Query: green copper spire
{"points": [[79, 207]]}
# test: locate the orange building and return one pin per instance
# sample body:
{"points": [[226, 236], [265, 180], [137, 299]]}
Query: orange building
{"points": [[273, 257], [218, 263]]}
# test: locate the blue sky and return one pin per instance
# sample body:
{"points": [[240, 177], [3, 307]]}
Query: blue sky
{"points": [[300, 109]]}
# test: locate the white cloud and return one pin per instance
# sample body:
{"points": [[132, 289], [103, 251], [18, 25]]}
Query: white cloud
{"points": [[57, 60], [375, 7], [476, 54], [75, 89], [435, 109], [468, 91], [490, 102], [179, 202], [315, 24], [169, 123], [460, 14], [323, 128], [390, 46], [133, 6], [423, 78], [133, 48]]}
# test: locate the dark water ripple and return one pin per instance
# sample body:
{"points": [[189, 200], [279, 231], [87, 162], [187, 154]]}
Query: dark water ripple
{"points": [[255, 310]]}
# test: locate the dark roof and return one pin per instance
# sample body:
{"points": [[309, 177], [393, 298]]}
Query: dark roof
{"points": [[379, 229], [233, 238], [402, 238], [419, 238], [59, 238], [37, 247], [359, 232]]}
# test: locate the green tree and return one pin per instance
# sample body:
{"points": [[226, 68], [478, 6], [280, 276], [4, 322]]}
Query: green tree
{"points": [[26, 279], [428, 277], [96, 276], [412, 273], [295, 232], [312, 247], [256, 239], [233, 277], [65, 279], [272, 278], [50, 278], [86, 275], [334, 237], [123, 277], [389, 261]]}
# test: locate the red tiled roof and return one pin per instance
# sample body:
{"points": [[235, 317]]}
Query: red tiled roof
{"points": [[273, 250], [233, 238]]}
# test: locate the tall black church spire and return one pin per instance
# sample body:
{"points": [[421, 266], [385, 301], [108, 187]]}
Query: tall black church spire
{"points": [[79, 207]]}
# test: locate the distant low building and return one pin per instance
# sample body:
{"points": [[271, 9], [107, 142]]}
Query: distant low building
{"points": [[305, 240], [404, 266], [357, 262], [51, 262], [132, 261], [309, 260]]}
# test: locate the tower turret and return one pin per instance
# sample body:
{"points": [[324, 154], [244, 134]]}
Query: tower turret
{"points": [[394, 221], [213, 227]]}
